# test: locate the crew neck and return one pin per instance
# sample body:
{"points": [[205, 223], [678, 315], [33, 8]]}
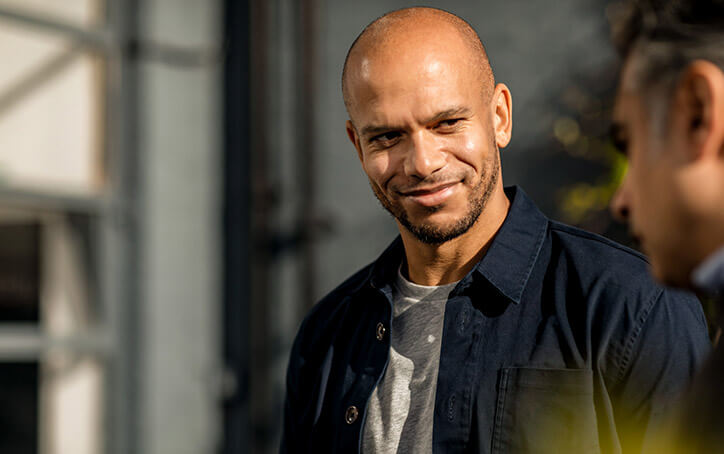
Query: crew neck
{"points": [[409, 289]]}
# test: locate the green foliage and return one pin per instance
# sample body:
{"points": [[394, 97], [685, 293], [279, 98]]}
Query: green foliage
{"points": [[579, 201]]}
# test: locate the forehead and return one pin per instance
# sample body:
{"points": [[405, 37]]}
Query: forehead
{"points": [[416, 77], [622, 107], [409, 75], [628, 106]]}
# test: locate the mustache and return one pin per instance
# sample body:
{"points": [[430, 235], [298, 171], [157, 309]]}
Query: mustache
{"points": [[429, 182]]}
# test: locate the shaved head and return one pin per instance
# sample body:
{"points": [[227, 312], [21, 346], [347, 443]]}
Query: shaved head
{"points": [[426, 120], [392, 34]]}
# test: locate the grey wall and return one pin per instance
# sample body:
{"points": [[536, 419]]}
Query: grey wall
{"points": [[179, 144]]}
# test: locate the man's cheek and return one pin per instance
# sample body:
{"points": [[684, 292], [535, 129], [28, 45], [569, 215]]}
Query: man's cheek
{"points": [[379, 169]]}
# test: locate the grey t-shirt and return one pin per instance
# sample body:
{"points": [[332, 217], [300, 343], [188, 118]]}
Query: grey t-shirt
{"points": [[400, 410]]}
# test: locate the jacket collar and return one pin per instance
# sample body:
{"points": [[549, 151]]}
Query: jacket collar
{"points": [[514, 250], [507, 264]]}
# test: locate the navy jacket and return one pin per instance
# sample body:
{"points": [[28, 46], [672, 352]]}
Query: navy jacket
{"points": [[557, 341]]}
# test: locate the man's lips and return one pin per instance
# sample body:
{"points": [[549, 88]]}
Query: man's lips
{"points": [[431, 196]]}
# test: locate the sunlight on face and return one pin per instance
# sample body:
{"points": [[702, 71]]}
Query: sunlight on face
{"points": [[426, 141]]}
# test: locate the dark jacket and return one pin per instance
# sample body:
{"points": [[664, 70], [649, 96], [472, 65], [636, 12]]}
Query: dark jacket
{"points": [[557, 341]]}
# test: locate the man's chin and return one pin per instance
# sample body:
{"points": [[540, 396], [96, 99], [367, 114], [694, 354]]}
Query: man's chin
{"points": [[435, 233], [432, 220], [438, 224], [432, 236]]}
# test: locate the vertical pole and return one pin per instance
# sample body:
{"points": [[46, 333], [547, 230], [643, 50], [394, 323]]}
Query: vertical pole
{"points": [[307, 164], [121, 234], [237, 245], [261, 213]]}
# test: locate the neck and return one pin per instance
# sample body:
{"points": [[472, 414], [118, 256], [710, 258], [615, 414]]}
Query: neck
{"points": [[706, 219], [709, 239], [440, 264]]}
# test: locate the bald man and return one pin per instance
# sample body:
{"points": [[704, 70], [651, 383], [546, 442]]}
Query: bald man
{"points": [[484, 327]]}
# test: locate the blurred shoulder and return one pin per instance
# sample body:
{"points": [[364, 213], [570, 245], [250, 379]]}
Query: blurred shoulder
{"points": [[616, 277], [599, 256]]}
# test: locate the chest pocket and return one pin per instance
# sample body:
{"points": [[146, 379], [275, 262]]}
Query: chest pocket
{"points": [[545, 411]]}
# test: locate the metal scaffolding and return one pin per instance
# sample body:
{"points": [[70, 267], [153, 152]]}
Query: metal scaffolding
{"points": [[111, 214]]}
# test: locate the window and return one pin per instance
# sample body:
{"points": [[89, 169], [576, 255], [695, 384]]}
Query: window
{"points": [[55, 347]]}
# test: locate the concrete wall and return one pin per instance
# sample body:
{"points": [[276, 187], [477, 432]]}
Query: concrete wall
{"points": [[180, 150]]}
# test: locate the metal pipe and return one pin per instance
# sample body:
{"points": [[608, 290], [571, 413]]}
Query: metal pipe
{"points": [[29, 342], [32, 200], [308, 217], [93, 37], [237, 238], [121, 239], [261, 227]]}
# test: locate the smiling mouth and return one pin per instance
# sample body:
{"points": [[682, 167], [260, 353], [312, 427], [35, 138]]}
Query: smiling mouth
{"points": [[431, 196]]}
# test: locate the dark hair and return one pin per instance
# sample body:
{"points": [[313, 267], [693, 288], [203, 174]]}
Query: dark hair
{"points": [[665, 36]]}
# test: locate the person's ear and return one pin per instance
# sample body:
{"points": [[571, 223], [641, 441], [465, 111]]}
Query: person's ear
{"points": [[502, 115], [354, 138], [701, 95]]}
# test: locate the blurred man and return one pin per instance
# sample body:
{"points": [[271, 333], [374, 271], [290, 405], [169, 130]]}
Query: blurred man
{"points": [[484, 327], [669, 120]]}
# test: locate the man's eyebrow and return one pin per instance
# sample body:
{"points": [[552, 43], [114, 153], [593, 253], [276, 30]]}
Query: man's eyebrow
{"points": [[447, 113], [450, 113], [374, 130]]}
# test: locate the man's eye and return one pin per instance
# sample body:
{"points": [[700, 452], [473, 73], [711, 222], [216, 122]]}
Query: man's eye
{"points": [[386, 137], [449, 123], [620, 144], [618, 135]]}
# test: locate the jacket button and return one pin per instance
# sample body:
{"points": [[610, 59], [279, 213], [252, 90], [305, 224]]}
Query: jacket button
{"points": [[381, 330], [351, 415]]}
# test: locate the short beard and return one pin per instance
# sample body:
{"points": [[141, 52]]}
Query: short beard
{"points": [[432, 235]]}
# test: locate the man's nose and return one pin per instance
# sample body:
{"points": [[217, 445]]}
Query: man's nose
{"points": [[424, 156], [619, 203]]}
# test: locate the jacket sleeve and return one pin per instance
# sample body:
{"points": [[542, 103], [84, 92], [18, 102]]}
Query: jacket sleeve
{"points": [[661, 355]]}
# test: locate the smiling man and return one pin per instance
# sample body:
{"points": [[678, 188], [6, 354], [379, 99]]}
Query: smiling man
{"points": [[669, 120], [485, 327]]}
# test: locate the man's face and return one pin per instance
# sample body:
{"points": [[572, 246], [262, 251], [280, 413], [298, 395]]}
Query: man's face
{"points": [[423, 128], [651, 198]]}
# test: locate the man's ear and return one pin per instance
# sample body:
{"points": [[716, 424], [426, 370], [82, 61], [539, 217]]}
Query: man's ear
{"points": [[354, 138], [701, 94], [502, 115]]}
